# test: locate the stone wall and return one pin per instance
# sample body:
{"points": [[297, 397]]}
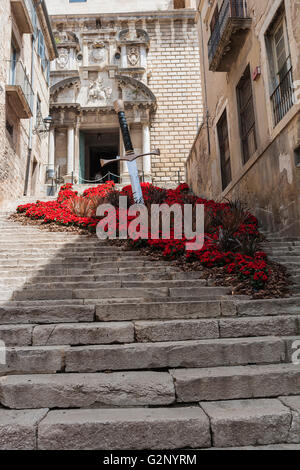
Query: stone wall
{"points": [[269, 181], [14, 153], [175, 80], [171, 73]]}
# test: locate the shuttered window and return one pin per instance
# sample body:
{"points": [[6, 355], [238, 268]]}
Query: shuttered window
{"points": [[246, 115]]}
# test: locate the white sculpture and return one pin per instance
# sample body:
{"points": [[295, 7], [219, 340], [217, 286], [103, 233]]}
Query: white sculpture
{"points": [[98, 92]]}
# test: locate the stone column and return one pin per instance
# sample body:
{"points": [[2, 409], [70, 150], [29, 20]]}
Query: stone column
{"points": [[124, 174], [51, 154], [85, 52], [70, 161], [143, 57], [77, 151], [146, 149], [124, 56]]}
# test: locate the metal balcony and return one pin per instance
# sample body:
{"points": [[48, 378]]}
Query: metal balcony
{"points": [[18, 90], [228, 35]]}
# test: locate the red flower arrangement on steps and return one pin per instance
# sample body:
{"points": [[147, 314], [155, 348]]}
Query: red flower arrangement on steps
{"points": [[231, 232]]}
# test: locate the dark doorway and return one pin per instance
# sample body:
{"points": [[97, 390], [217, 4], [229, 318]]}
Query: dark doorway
{"points": [[101, 146]]}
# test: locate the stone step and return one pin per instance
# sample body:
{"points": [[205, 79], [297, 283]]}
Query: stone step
{"points": [[201, 353], [76, 334], [119, 389], [254, 422], [118, 283], [196, 309], [111, 429], [182, 330], [147, 276], [38, 313], [73, 334], [63, 270], [237, 382], [100, 293], [18, 429], [139, 356]]}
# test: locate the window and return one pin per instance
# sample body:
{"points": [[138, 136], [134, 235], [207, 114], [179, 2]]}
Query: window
{"points": [[223, 136], [41, 45], [281, 73], [179, 4], [246, 115]]}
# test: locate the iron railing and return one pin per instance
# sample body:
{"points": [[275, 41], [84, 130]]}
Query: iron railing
{"points": [[17, 77], [229, 9], [282, 98]]}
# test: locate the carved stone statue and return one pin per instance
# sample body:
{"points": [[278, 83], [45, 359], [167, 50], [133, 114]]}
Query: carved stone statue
{"points": [[98, 92]]}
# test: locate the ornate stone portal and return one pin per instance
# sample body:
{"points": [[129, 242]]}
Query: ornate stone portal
{"points": [[94, 68]]}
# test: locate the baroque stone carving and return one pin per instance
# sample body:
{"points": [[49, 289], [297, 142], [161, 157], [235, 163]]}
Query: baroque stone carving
{"points": [[97, 92], [63, 58], [133, 55]]}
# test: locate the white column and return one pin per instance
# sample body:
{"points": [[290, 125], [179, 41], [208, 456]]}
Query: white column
{"points": [[124, 56], [85, 53], [70, 162], [146, 149], [51, 154], [143, 57], [125, 178]]}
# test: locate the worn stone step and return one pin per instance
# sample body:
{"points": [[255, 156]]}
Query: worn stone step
{"points": [[227, 383], [118, 311], [202, 353], [117, 283], [45, 279], [125, 429], [265, 307], [237, 423], [18, 429], [87, 390], [106, 292], [138, 356], [181, 330], [49, 313], [34, 360], [83, 333]]}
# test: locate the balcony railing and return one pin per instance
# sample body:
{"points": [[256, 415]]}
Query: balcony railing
{"points": [[19, 88], [233, 16], [282, 98]]}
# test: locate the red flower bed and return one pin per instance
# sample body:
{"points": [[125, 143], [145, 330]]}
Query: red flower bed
{"points": [[229, 233]]}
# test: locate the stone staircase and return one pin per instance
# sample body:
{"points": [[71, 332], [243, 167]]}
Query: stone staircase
{"points": [[109, 350], [287, 252]]}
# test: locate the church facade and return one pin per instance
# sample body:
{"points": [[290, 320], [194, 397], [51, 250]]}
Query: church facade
{"points": [[146, 53]]}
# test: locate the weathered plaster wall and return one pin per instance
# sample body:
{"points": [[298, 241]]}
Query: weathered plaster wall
{"points": [[269, 181]]}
